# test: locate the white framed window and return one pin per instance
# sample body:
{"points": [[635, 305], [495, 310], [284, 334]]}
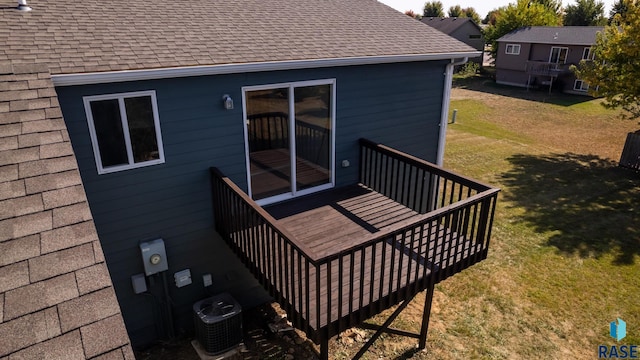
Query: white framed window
{"points": [[580, 85], [124, 130], [558, 55], [512, 49], [587, 54], [289, 139]]}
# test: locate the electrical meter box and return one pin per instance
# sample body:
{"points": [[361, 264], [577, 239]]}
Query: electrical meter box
{"points": [[154, 256]]}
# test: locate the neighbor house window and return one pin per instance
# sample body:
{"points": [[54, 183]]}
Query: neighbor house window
{"points": [[513, 49], [587, 54], [125, 130], [558, 55], [475, 36], [580, 85]]}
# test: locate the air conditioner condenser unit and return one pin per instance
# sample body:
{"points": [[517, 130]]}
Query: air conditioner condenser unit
{"points": [[218, 323]]}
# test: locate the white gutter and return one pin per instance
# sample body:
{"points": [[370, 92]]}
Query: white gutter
{"points": [[176, 72], [446, 99]]}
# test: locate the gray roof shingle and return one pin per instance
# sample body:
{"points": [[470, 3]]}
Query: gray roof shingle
{"points": [[47, 219], [448, 24], [48, 242], [92, 35], [557, 35]]}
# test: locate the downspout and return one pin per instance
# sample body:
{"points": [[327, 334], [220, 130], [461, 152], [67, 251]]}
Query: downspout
{"points": [[444, 118]]}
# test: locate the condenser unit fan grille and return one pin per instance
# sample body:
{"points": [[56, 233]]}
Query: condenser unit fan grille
{"points": [[218, 323]]}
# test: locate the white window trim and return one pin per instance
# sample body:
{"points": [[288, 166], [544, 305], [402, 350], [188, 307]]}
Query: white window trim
{"points": [[513, 52], [589, 52], [580, 88], [561, 48], [332, 155], [125, 128]]}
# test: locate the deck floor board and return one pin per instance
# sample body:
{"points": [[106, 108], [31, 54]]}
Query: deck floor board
{"points": [[333, 221], [340, 218]]}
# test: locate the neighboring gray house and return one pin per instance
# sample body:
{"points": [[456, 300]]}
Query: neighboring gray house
{"points": [[463, 29], [147, 97], [540, 56]]}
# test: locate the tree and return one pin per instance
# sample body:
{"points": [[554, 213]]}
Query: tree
{"points": [[472, 13], [459, 12], [456, 11], [584, 13], [619, 7], [490, 19], [433, 9], [521, 14], [553, 5], [614, 74], [412, 14]]}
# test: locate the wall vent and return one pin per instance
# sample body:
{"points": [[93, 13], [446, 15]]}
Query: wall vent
{"points": [[22, 5]]}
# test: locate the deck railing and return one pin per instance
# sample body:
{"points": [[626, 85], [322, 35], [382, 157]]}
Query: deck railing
{"points": [[544, 68], [281, 265], [411, 181], [270, 130], [457, 210], [327, 293], [630, 158]]}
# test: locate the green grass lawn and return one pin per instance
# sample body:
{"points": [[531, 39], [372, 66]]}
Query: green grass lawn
{"points": [[565, 254]]}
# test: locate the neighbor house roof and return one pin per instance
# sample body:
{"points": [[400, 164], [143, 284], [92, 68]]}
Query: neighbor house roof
{"points": [[448, 24], [557, 35], [92, 36]]}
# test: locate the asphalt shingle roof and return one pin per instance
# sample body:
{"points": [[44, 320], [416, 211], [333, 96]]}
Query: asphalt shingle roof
{"points": [[47, 235], [52, 267], [558, 35], [448, 24], [74, 36]]}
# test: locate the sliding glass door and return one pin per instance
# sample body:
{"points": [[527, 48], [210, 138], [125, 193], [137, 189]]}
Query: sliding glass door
{"points": [[289, 132]]}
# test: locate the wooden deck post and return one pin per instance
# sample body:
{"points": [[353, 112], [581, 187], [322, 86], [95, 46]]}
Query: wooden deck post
{"points": [[425, 317], [324, 347]]}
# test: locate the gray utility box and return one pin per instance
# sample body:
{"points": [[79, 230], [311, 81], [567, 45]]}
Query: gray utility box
{"points": [[218, 323], [154, 257]]}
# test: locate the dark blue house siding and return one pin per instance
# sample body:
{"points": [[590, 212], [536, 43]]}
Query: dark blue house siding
{"points": [[395, 104]]}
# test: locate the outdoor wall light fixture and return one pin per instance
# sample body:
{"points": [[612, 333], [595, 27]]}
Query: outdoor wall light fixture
{"points": [[227, 101]]}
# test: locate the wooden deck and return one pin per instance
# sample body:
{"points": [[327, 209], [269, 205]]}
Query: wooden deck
{"points": [[338, 257], [334, 221]]}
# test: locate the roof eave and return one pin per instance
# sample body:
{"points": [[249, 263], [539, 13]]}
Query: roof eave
{"points": [[176, 72], [546, 42]]}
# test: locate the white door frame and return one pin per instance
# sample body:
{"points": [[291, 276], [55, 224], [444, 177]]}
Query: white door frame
{"points": [[292, 141]]}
